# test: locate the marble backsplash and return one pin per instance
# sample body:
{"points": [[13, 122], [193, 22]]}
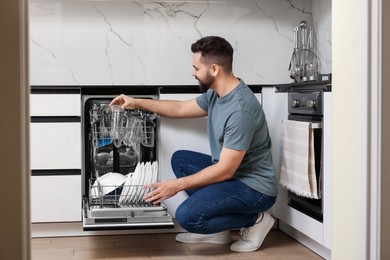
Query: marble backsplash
{"points": [[124, 42]]}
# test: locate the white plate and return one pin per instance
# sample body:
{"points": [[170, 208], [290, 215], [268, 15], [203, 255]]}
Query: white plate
{"points": [[133, 189], [126, 187], [150, 174], [148, 178], [155, 172], [107, 183], [142, 192], [137, 182]]}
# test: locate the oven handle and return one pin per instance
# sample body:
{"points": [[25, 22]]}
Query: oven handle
{"points": [[316, 125]]}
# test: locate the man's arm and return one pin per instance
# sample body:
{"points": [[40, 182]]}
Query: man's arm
{"points": [[167, 108], [221, 171]]}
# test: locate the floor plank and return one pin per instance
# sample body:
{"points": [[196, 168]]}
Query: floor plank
{"points": [[277, 245]]}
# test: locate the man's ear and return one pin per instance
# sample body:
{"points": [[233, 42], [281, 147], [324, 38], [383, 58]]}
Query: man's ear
{"points": [[214, 70]]}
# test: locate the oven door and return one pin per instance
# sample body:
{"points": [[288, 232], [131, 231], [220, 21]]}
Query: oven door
{"points": [[311, 207]]}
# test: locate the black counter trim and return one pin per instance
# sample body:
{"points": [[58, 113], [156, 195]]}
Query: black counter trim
{"points": [[54, 90], [296, 87], [256, 88], [117, 90], [187, 89], [56, 172], [123, 89], [55, 119], [194, 89]]}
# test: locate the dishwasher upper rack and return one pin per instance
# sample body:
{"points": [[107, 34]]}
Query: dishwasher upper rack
{"points": [[135, 126]]}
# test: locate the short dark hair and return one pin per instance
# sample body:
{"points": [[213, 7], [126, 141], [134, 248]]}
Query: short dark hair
{"points": [[214, 49]]}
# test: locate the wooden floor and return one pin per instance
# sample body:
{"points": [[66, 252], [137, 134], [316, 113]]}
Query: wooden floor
{"points": [[277, 245]]}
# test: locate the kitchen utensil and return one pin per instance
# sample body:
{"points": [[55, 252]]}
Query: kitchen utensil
{"points": [[139, 184], [155, 172], [118, 122], [132, 193], [304, 63], [133, 130], [125, 196], [147, 180], [148, 132]]}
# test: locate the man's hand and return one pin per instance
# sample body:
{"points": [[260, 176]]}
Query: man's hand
{"points": [[162, 191], [124, 101]]}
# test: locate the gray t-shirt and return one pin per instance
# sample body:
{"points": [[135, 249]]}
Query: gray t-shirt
{"points": [[237, 121]]}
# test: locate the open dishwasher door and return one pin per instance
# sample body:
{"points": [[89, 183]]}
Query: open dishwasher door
{"points": [[113, 217], [119, 159]]}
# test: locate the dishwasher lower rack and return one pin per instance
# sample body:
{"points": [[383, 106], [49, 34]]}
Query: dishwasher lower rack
{"points": [[117, 196], [116, 210]]}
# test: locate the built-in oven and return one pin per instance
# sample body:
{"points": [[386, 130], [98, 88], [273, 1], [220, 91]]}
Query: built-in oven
{"points": [[307, 106], [119, 157]]}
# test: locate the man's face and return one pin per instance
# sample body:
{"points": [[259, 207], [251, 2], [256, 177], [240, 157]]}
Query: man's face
{"points": [[201, 72]]}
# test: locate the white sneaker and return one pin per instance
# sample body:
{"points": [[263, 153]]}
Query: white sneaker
{"points": [[220, 238], [252, 237]]}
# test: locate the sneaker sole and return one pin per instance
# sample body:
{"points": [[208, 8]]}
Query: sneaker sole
{"points": [[204, 240], [251, 249]]}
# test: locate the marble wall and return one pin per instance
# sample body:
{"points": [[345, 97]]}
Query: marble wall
{"points": [[143, 42], [322, 22]]}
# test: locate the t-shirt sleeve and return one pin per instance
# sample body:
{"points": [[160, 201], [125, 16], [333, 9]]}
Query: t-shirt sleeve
{"points": [[203, 100], [239, 131]]}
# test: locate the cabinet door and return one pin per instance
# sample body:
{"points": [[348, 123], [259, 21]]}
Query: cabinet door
{"points": [[55, 105], [55, 198], [178, 134], [275, 110], [55, 146]]}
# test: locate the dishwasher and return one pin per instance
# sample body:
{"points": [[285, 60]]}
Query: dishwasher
{"points": [[119, 149]]}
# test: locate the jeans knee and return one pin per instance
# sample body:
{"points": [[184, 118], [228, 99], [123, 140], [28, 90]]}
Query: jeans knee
{"points": [[184, 218], [176, 156], [181, 217], [175, 159]]}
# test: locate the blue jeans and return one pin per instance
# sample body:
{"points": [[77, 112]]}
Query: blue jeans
{"points": [[216, 207]]}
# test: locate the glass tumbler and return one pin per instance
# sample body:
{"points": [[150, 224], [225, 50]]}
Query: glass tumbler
{"points": [[117, 123]]}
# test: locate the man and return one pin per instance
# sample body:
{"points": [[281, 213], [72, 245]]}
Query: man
{"points": [[234, 186]]}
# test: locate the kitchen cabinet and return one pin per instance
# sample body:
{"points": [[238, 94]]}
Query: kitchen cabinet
{"points": [[275, 109], [55, 145], [55, 156], [55, 198], [310, 232], [55, 104]]}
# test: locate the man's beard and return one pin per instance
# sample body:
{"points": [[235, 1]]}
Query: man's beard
{"points": [[204, 85]]}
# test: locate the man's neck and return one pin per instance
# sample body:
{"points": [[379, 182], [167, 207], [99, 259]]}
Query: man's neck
{"points": [[225, 85]]}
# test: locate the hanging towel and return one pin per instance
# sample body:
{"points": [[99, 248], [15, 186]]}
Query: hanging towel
{"points": [[298, 163]]}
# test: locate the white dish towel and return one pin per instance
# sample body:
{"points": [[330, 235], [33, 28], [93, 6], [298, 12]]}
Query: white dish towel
{"points": [[298, 163]]}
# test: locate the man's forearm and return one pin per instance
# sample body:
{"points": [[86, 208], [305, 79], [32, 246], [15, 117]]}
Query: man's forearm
{"points": [[166, 108]]}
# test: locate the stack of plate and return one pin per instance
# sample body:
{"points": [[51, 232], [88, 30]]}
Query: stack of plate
{"points": [[133, 189]]}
